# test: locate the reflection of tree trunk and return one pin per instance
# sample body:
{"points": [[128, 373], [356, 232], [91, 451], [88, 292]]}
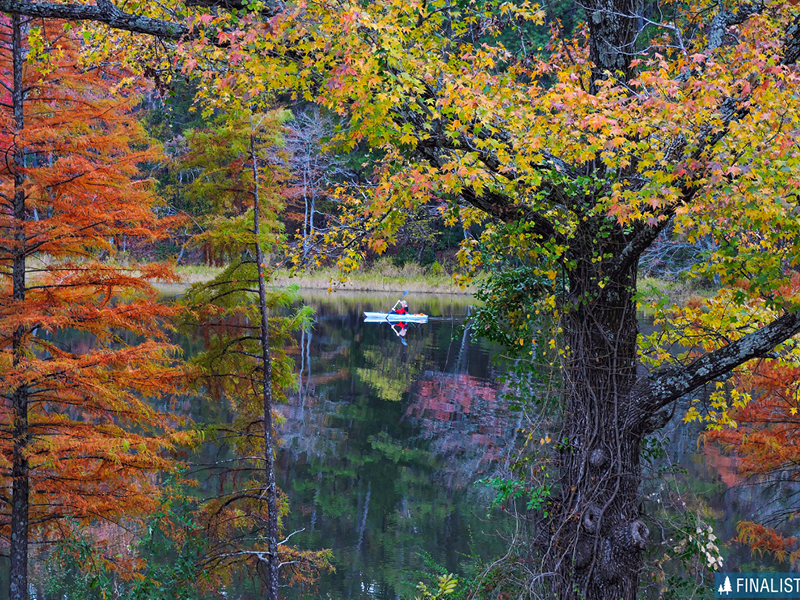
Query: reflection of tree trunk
{"points": [[308, 361], [462, 349], [302, 368], [450, 504], [316, 500], [363, 525]]}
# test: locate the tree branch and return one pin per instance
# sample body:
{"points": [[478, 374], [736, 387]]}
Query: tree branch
{"points": [[640, 242], [667, 385], [731, 109], [725, 18], [791, 43], [501, 207], [102, 12]]}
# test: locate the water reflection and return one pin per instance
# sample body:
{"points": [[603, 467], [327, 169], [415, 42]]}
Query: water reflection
{"points": [[382, 443]]}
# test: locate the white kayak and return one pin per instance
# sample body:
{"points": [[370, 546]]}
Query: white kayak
{"points": [[374, 317]]}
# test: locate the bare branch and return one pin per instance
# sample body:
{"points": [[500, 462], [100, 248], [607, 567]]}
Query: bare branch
{"points": [[102, 12], [668, 384]]}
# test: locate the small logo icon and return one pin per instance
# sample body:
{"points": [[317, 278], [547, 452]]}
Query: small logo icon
{"points": [[725, 588]]}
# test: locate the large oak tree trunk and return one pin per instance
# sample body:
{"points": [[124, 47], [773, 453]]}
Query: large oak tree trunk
{"points": [[20, 476], [599, 536]]}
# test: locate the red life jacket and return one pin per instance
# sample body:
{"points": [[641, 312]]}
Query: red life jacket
{"points": [[402, 311]]}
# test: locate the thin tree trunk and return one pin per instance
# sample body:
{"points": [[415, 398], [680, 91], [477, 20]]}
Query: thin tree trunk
{"points": [[305, 229], [311, 212], [266, 360], [315, 176], [18, 576], [300, 390], [305, 212]]}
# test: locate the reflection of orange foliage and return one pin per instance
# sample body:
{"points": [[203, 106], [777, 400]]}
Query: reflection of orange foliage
{"points": [[463, 415], [448, 398], [726, 465]]}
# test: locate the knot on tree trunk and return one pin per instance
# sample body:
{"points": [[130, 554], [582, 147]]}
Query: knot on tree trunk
{"points": [[631, 537], [598, 458], [591, 518], [583, 554], [613, 555]]}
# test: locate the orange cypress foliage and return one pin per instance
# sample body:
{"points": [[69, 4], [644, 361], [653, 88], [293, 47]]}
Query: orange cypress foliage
{"points": [[766, 440], [83, 351]]}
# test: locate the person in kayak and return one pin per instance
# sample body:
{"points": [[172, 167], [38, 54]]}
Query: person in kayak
{"points": [[402, 309]]}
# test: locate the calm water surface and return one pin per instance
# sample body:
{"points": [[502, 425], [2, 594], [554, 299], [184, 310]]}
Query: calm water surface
{"points": [[383, 443]]}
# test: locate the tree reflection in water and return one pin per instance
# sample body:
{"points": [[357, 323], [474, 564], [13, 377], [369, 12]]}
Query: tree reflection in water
{"points": [[382, 443]]}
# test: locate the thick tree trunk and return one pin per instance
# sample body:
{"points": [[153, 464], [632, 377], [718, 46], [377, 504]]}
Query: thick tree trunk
{"points": [[613, 25], [599, 536], [266, 370], [18, 576]]}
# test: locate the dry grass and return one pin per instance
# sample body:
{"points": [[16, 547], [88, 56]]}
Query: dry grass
{"points": [[384, 276], [190, 274], [653, 291]]}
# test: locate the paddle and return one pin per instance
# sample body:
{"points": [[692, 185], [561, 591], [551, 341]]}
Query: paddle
{"points": [[398, 302]]}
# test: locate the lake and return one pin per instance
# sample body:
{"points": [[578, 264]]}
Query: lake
{"points": [[383, 445]]}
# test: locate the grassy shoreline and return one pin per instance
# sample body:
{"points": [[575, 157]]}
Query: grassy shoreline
{"points": [[652, 290], [384, 277], [387, 278]]}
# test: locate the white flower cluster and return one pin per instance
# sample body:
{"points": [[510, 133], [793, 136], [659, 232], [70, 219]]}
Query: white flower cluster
{"points": [[703, 540]]}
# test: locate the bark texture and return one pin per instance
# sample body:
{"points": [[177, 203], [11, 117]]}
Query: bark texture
{"points": [[107, 13], [613, 25], [103, 12], [598, 532], [597, 543], [20, 475], [266, 382]]}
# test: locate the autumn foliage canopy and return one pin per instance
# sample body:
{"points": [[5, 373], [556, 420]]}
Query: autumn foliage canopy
{"points": [[83, 337]]}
